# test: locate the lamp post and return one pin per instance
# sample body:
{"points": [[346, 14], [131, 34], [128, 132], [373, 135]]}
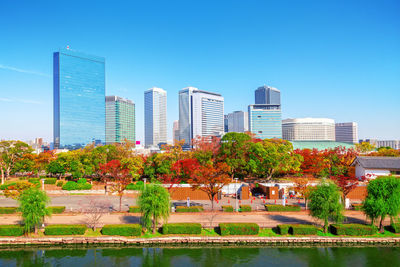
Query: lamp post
{"points": [[236, 200], [144, 183]]}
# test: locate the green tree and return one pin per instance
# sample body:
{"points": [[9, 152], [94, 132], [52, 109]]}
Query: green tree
{"points": [[383, 199], [234, 150], [324, 203], [56, 167], [10, 153], [154, 205], [32, 204], [365, 147]]}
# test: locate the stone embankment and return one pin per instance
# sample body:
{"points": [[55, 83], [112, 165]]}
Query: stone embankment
{"points": [[231, 240]]}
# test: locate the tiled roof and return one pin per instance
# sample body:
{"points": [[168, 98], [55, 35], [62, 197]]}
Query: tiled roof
{"points": [[389, 163]]}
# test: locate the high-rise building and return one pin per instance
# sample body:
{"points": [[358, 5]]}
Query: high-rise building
{"points": [[120, 120], [265, 117], [265, 121], [201, 113], [308, 129], [395, 144], [346, 132], [155, 117], [79, 93], [175, 131], [237, 121], [267, 95]]}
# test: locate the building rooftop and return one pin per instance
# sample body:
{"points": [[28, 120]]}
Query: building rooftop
{"points": [[391, 163], [320, 145], [309, 120]]}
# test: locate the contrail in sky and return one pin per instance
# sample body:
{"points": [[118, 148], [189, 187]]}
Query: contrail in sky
{"points": [[4, 67]]}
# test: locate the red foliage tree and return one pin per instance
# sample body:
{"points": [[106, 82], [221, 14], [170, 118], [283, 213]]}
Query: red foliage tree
{"points": [[346, 183], [119, 175], [181, 171]]}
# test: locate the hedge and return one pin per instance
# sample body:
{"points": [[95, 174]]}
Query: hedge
{"points": [[34, 180], [239, 228], [283, 229], [357, 206], [50, 181], [70, 185], [395, 227], [227, 208], [189, 209], [245, 208], [11, 230], [122, 229], [56, 209], [181, 228], [65, 229], [8, 210], [134, 209], [60, 183], [353, 229], [303, 229], [282, 208], [137, 186]]}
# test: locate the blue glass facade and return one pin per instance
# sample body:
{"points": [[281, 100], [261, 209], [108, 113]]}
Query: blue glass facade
{"points": [[79, 99], [265, 121], [267, 95]]}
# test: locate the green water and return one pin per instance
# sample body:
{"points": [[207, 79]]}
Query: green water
{"points": [[203, 256]]}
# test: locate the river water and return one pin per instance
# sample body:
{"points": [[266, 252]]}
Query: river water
{"points": [[202, 256]]}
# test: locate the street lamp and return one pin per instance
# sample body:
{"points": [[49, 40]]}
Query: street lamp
{"points": [[144, 183], [236, 200]]}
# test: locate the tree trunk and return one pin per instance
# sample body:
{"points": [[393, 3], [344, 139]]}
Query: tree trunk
{"points": [[305, 202], [381, 228], [154, 226], [326, 225], [212, 201], [120, 202], [2, 175], [36, 230]]}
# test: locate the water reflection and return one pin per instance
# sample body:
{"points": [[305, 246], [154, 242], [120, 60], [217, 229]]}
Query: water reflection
{"points": [[204, 256]]}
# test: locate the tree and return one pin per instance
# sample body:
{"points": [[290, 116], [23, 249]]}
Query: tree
{"points": [[303, 187], [120, 176], [94, 210], [210, 178], [325, 203], [234, 150], [15, 191], [365, 147], [42, 160], [346, 184], [383, 199], [154, 205], [386, 152], [33, 208], [180, 172], [10, 153], [56, 167]]}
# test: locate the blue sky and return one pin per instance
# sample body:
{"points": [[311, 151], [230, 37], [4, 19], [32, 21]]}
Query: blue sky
{"points": [[334, 59]]}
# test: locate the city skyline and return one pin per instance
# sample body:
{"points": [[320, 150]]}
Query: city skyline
{"points": [[326, 68]]}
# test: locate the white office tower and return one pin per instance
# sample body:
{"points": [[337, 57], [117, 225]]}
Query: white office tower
{"points": [[237, 121], [308, 129], [175, 131], [201, 113], [346, 132], [155, 117]]}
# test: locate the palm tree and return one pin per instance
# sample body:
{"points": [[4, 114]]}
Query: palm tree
{"points": [[154, 205]]}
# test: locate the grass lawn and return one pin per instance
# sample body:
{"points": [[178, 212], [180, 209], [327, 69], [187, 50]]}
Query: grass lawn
{"points": [[91, 233]]}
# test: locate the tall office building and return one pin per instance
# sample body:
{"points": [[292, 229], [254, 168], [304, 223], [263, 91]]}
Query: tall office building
{"points": [[308, 129], [346, 132], [265, 117], [237, 121], [79, 93], [267, 95], [201, 113], [155, 117], [120, 120], [175, 131]]}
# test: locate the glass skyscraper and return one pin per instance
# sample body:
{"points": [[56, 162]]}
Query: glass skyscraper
{"points": [[120, 120], [155, 117], [267, 95], [79, 99]]}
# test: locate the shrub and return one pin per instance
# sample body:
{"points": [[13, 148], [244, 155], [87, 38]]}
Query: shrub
{"points": [[357, 206], [283, 229], [395, 227], [190, 209], [50, 180], [82, 181], [282, 208], [227, 208], [5, 186], [122, 229], [11, 230], [65, 229], [56, 209], [22, 178], [137, 186], [8, 210], [34, 180], [245, 208], [239, 228], [303, 229], [70, 185], [181, 228], [134, 209], [60, 183], [353, 229]]}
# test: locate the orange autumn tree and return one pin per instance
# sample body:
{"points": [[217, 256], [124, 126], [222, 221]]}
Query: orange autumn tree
{"points": [[210, 178], [303, 187]]}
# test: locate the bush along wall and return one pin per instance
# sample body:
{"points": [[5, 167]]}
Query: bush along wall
{"points": [[11, 230], [357, 206], [134, 209], [245, 208], [56, 209], [8, 210], [65, 229], [353, 229], [227, 208], [122, 229], [181, 228], [395, 227], [282, 208], [283, 229], [239, 228], [303, 229], [50, 181], [189, 209], [71, 185]]}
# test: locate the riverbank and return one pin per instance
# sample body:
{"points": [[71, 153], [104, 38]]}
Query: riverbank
{"points": [[48, 241]]}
